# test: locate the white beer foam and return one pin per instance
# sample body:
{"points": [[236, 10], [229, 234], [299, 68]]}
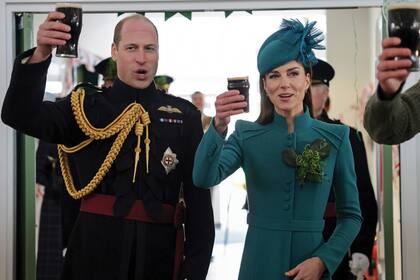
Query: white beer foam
{"points": [[237, 78], [399, 6], [68, 5]]}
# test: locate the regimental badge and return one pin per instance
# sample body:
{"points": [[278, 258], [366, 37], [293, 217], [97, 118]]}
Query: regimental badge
{"points": [[169, 109], [169, 160]]}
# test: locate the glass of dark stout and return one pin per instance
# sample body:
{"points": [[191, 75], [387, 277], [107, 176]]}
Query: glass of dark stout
{"points": [[73, 18], [241, 84], [404, 23]]}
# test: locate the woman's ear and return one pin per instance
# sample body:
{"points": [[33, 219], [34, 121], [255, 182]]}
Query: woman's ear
{"points": [[264, 84], [308, 81]]}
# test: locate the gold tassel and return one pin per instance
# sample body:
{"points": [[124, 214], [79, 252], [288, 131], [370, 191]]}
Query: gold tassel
{"points": [[146, 121], [138, 131]]}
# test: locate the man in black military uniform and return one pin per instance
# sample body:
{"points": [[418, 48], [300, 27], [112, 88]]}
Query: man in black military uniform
{"points": [[127, 152], [361, 248]]}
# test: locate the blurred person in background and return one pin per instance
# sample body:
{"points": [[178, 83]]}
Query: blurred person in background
{"points": [[163, 82], [197, 98]]}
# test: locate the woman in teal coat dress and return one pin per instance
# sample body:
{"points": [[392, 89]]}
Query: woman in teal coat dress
{"points": [[290, 160]]}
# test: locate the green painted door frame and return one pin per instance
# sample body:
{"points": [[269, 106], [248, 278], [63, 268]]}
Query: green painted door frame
{"points": [[388, 205], [25, 260], [388, 212]]}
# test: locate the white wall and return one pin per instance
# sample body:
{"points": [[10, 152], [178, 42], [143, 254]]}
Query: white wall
{"points": [[353, 45], [350, 43], [410, 200]]}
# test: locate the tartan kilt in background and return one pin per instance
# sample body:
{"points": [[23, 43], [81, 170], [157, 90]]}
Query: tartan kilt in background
{"points": [[50, 248]]}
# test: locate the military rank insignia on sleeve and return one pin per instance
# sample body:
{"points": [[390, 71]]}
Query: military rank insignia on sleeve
{"points": [[169, 160]]}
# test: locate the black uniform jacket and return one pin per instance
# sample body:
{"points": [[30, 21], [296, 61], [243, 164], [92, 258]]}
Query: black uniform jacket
{"points": [[103, 247], [366, 237]]}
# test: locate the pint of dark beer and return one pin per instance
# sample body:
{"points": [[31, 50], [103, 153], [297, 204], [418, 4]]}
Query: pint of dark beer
{"points": [[404, 23], [241, 84], [73, 18]]}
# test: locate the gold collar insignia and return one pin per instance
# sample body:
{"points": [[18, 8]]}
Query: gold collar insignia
{"points": [[169, 109]]}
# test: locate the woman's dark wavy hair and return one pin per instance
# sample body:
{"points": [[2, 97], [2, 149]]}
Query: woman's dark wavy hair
{"points": [[267, 108]]}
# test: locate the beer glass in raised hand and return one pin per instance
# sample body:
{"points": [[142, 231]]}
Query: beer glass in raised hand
{"points": [[73, 18], [404, 23]]}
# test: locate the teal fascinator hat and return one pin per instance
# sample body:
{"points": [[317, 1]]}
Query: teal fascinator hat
{"points": [[293, 41]]}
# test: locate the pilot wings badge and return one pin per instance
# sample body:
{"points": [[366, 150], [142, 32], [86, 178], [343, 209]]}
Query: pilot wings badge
{"points": [[169, 109]]}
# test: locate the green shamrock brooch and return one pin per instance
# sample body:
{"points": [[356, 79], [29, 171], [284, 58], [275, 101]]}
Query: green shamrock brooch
{"points": [[309, 163]]}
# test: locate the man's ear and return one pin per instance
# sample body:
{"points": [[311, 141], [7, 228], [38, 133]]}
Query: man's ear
{"points": [[114, 50]]}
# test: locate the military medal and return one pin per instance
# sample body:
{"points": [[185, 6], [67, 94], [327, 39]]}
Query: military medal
{"points": [[166, 120], [169, 160]]}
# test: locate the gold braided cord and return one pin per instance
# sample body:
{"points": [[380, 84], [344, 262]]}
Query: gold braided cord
{"points": [[71, 150], [145, 118], [138, 130], [100, 174], [121, 125], [77, 104]]}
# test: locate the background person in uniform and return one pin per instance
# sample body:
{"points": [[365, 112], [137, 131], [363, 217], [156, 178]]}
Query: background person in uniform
{"points": [[361, 249], [290, 161], [58, 212], [163, 82], [392, 117], [108, 69], [197, 98], [127, 151], [50, 248]]}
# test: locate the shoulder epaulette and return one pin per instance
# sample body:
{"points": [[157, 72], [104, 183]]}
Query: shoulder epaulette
{"points": [[89, 88], [186, 103]]}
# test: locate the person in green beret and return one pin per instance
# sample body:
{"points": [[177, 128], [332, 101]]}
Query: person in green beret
{"points": [[108, 69], [163, 82], [290, 160]]}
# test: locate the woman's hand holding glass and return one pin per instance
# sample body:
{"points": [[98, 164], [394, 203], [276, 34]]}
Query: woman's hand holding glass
{"points": [[228, 104]]}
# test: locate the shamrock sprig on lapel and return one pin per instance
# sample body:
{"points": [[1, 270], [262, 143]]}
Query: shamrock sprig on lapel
{"points": [[309, 163]]}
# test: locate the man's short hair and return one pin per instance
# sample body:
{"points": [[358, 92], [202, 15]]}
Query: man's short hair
{"points": [[119, 26]]}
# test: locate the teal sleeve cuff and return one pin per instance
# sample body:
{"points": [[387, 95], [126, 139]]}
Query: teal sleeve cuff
{"points": [[213, 141], [206, 157], [216, 158], [213, 127]]}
